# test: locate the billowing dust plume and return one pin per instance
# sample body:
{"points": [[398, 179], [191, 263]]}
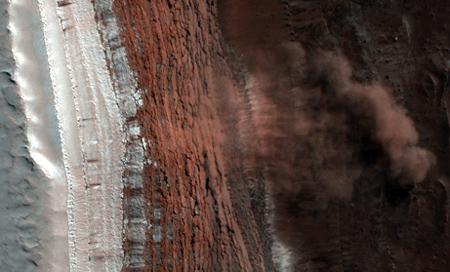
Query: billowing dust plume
{"points": [[318, 129]]}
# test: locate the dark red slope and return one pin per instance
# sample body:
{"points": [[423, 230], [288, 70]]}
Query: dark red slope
{"points": [[205, 223]]}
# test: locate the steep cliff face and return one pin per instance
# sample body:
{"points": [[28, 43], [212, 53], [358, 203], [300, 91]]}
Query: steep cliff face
{"points": [[205, 179], [196, 223]]}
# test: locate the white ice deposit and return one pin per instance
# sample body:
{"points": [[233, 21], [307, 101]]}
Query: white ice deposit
{"points": [[78, 129], [92, 137]]}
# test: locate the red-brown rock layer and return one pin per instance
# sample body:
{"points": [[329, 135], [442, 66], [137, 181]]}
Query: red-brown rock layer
{"points": [[197, 222]]}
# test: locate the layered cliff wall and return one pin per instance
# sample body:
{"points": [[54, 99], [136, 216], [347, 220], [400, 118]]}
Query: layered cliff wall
{"points": [[198, 220]]}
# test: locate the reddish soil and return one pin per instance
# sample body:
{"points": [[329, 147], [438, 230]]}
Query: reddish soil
{"points": [[210, 196]]}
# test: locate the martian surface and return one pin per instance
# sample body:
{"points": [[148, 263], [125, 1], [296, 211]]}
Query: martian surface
{"points": [[224, 135]]}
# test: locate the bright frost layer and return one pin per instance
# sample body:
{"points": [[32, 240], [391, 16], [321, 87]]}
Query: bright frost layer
{"points": [[32, 78], [91, 132]]}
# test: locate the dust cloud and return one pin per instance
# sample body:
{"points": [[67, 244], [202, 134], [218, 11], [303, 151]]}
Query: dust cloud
{"points": [[317, 128]]}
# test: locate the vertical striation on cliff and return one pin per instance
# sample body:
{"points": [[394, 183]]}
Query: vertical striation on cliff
{"points": [[129, 101]]}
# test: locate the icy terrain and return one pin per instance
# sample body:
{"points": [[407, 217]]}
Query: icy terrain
{"points": [[91, 132], [69, 158], [43, 184]]}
